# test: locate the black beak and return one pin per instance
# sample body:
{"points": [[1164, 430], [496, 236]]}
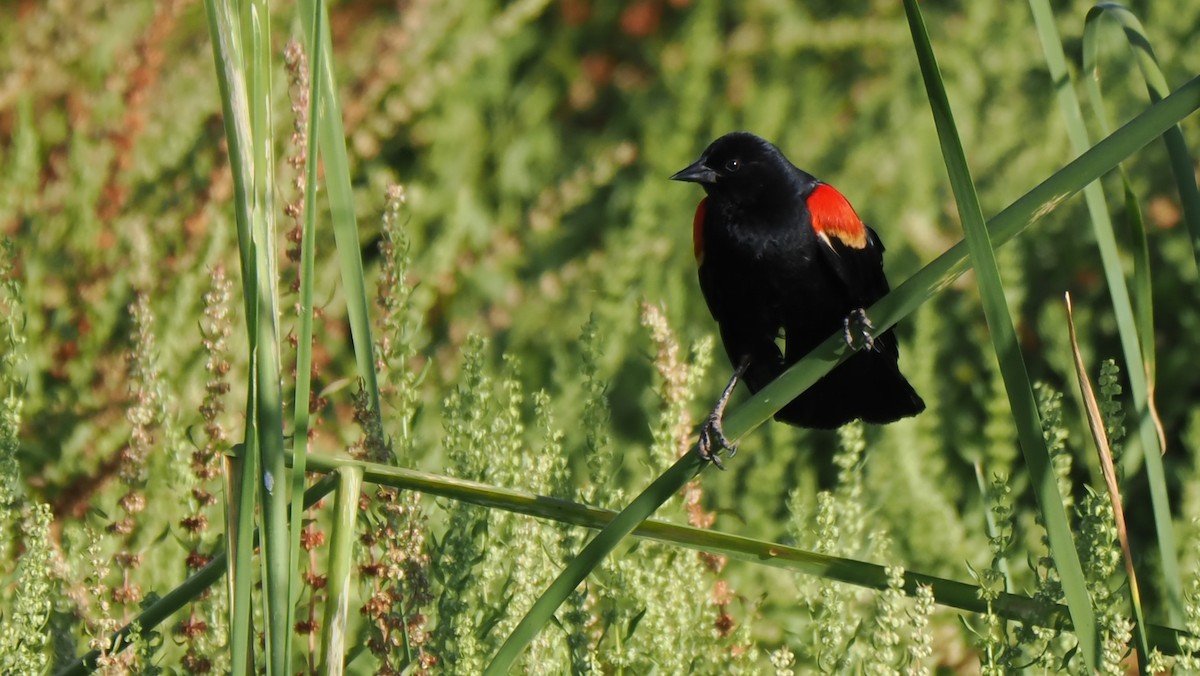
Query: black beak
{"points": [[696, 172]]}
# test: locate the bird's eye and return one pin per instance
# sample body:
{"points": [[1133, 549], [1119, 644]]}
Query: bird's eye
{"points": [[733, 165]]}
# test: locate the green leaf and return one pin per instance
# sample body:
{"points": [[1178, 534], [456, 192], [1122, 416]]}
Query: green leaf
{"points": [[341, 204], [268, 395], [1100, 438], [1141, 323], [241, 470], [305, 330], [1008, 350], [1156, 83], [341, 568]]}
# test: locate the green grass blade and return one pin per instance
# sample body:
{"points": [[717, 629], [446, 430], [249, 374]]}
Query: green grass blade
{"points": [[269, 397], [1008, 351], [337, 601], [902, 301], [1156, 83], [1100, 437], [341, 205], [1142, 380], [240, 484], [305, 329], [240, 470], [231, 81], [1143, 313], [1129, 325]]}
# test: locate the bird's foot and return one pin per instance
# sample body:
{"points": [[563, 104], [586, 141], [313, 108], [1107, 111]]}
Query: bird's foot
{"points": [[712, 437], [713, 440], [858, 330]]}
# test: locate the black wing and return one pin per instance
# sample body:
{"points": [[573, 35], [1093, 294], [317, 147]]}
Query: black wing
{"points": [[860, 270]]}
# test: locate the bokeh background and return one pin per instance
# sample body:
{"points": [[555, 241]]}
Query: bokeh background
{"points": [[548, 252]]}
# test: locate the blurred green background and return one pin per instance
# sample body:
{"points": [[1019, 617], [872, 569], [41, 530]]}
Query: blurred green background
{"points": [[533, 140]]}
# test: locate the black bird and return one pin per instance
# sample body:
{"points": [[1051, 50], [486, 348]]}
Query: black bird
{"points": [[783, 254]]}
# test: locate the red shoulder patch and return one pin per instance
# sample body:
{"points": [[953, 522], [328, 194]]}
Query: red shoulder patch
{"points": [[698, 230], [832, 216]]}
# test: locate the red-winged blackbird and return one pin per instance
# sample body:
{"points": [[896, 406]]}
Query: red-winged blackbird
{"points": [[782, 254]]}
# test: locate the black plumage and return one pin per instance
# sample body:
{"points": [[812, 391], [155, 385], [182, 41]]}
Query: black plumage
{"points": [[783, 255]]}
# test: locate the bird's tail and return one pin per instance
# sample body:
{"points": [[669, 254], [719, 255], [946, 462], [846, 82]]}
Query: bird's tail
{"points": [[868, 386], [893, 398]]}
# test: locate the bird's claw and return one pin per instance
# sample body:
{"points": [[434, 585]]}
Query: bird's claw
{"points": [[712, 438], [858, 330], [713, 441]]}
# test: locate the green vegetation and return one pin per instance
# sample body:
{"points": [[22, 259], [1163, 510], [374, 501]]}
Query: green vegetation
{"points": [[443, 251]]}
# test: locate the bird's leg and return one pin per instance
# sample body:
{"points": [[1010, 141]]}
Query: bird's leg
{"points": [[712, 437], [858, 330]]}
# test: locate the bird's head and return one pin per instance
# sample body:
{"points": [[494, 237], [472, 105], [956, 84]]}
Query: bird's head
{"points": [[744, 169]]}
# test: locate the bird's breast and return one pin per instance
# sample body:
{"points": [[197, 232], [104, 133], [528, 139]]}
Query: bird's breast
{"points": [[768, 261], [772, 244]]}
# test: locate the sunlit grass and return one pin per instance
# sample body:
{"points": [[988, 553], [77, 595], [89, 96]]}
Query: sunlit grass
{"points": [[535, 203]]}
